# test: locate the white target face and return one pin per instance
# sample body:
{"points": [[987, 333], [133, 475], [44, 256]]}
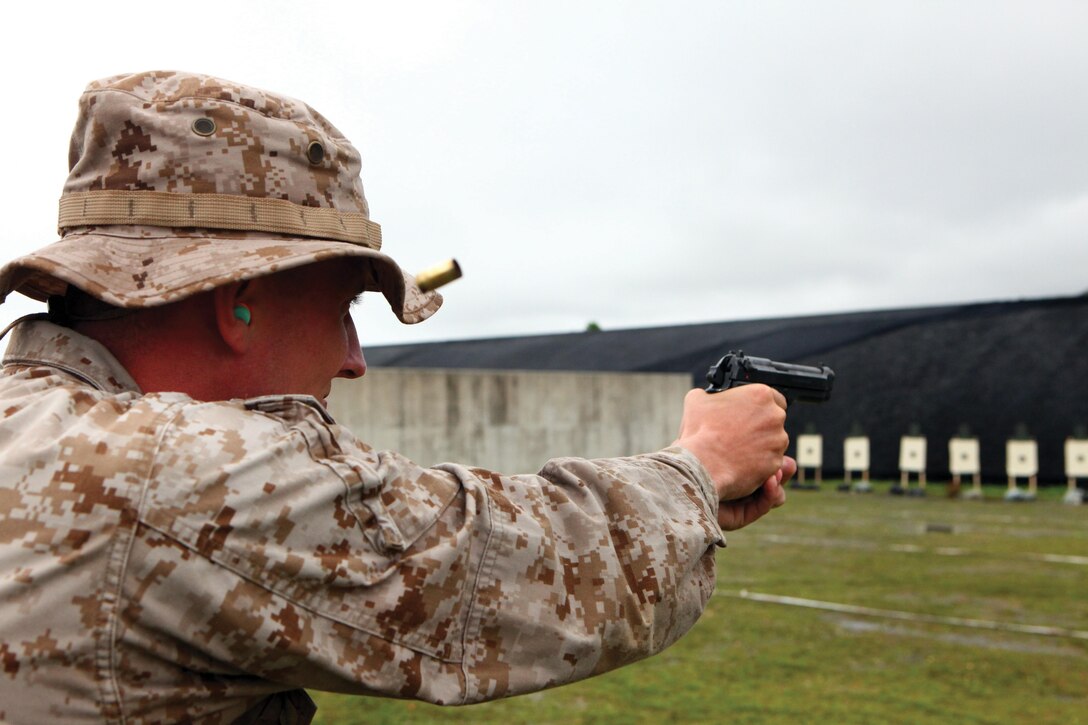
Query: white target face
{"points": [[963, 456], [810, 450], [1076, 458], [912, 454], [1021, 458], [856, 453]]}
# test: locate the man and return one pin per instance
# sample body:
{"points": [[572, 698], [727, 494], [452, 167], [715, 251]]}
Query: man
{"points": [[185, 533]]}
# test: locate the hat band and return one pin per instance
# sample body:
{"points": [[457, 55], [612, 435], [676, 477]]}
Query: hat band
{"points": [[216, 211]]}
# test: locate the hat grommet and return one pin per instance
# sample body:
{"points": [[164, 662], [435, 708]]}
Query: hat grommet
{"points": [[315, 153], [203, 126]]}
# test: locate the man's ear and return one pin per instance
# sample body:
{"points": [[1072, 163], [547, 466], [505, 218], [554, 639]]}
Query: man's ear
{"points": [[233, 316]]}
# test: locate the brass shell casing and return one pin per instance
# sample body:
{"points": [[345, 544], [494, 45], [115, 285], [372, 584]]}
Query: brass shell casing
{"points": [[441, 274]]}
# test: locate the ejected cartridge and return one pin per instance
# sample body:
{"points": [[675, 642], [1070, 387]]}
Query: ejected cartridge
{"points": [[441, 274]]}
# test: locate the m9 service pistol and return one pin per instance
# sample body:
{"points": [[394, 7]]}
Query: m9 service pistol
{"points": [[795, 382]]}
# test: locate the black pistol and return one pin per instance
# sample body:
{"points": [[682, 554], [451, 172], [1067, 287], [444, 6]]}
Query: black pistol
{"points": [[796, 382]]}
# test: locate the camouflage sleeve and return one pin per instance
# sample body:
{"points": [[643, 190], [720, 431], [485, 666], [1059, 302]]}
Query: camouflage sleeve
{"points": [[279, 546], [589, 566]]}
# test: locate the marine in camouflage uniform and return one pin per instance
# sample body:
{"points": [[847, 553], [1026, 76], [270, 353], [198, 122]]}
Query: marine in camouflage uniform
{"points": [[167, 557]]}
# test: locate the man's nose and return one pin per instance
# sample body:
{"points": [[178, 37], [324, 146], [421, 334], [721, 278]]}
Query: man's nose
{"points": [[354, 363]]}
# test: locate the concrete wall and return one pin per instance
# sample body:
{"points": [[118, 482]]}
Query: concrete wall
{"points": [[510, 421]]}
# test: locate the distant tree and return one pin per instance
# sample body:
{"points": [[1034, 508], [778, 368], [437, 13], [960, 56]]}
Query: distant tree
{"points": [[593, 327]]}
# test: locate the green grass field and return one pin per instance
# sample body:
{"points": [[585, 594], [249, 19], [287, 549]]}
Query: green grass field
{"points": [[927, 564]]}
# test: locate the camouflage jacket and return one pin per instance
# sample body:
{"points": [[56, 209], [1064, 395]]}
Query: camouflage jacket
{"points": [[165, 559]]}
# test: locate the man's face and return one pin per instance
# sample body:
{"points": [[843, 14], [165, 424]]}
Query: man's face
{"points": [[302, 328]]}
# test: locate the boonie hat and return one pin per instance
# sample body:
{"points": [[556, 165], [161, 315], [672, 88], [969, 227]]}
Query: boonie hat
{"points": [[180, 183]]}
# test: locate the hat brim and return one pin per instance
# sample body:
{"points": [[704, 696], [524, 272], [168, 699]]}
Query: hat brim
{"points": [[135, 267]]}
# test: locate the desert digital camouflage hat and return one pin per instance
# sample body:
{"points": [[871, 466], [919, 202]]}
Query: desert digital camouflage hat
{"points": [[180, 183]]}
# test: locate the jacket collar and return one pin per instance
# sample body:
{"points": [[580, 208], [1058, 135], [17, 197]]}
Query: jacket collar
{"points": [[39, 342]]}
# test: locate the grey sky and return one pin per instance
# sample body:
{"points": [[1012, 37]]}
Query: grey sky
{"points": [[638, 163]]}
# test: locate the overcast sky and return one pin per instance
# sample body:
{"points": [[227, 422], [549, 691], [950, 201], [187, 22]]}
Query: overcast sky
{"points": [[634, 163]]}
